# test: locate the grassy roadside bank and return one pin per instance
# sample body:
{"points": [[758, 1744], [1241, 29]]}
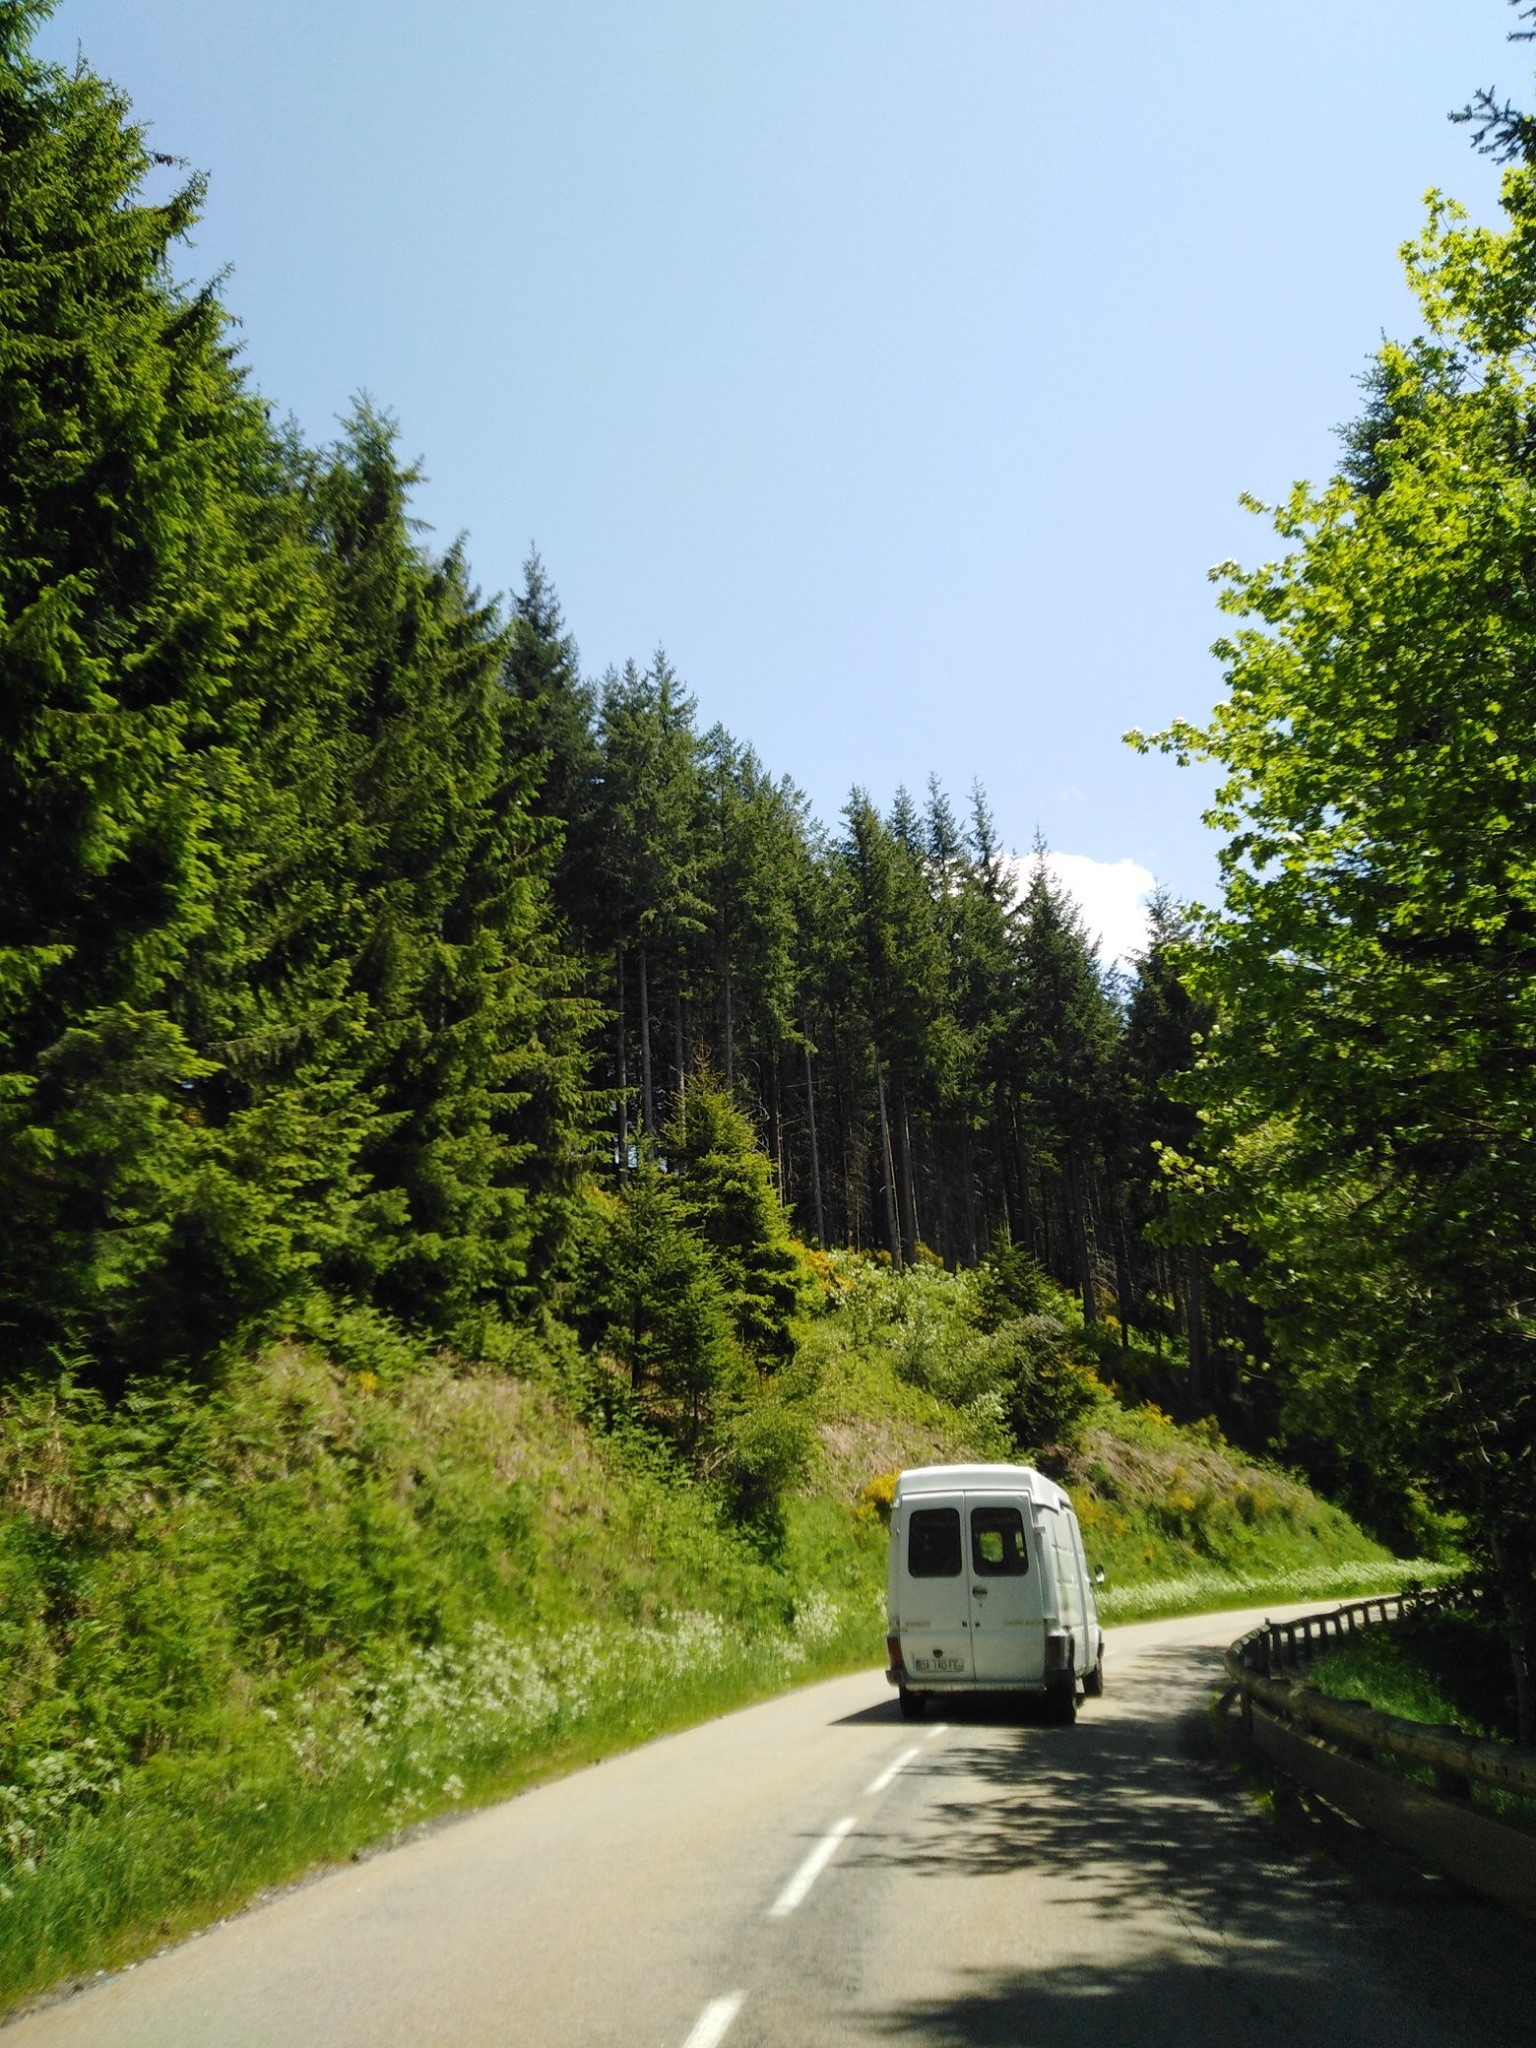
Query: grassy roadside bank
{"points": [[247, 1633], [152, 1869], [1447, 1669], [167, 1855], [1216, 1592]]}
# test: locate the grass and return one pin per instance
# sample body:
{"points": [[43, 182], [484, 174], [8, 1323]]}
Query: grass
{"points": [[1179, 1519], [1211, 1592], [247, 1633], [446, 1729], [1449, 1670]]}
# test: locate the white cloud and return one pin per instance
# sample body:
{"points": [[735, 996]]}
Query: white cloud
{"points": [[1111, 894]]}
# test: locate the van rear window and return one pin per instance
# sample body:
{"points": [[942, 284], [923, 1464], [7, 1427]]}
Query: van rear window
{"points": [[933, 1543], [997, 1543]]}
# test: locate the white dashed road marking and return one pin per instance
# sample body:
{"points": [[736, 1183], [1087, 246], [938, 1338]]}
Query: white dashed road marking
{"points": [[888, 1775], [709, 2030], [809, 1871]]}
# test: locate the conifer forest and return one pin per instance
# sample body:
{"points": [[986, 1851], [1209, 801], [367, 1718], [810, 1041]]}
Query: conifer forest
{"points": [[364, 956], [350, 930]]}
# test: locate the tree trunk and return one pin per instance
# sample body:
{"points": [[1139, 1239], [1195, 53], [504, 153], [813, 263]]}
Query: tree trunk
{"points": [[730, 1025], [887, 1171], [775, 1127], [1077, 1214], [623, 1070], [1178, 1319], [969, 1184], [910, 1237], [1513, 1572], [810, 1112], [1199, 1362], [1035, 1240], [939, 1205], [1007, 1166], [852, 1215], [1123, 1290], [679, 1058], [647, 1095]]}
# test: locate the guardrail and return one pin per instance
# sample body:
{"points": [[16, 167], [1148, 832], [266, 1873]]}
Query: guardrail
{"points": [[1291, 1645], [1458, 1761], [1337, 1747]]}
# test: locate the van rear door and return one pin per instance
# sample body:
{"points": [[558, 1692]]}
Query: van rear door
{"points": [[935, 1590], [1072, 1596], [1007, 1641]]}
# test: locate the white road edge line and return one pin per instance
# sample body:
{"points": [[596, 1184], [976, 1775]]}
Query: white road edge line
{"points": [[888, 1776], [809, 1871], [710, 2029]]}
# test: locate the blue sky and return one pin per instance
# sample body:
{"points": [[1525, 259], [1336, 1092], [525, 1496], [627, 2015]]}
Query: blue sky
{"points": [[898, 367]]}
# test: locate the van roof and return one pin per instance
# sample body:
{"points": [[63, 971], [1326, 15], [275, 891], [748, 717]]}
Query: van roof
{"points": [[995, 1478]]}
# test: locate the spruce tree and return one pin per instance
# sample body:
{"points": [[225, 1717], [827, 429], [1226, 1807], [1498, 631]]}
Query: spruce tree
{"points": [[1164, 1026], [471, 1054], [726, 1188], [904, 992], [647, 880], [172, 1160], [1065, 1027], [543, 672], [664, 1311]]}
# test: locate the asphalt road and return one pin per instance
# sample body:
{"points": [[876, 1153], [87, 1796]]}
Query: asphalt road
{"points": [[814, 1871]]}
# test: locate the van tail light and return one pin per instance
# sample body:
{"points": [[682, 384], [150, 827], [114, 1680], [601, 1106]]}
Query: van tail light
{"points": [[893, 1652], [1058, 1649]]}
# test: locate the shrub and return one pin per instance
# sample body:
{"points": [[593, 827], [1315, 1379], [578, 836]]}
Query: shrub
{"points": [[764, 1453], [665, 1312], [1010, 1284], [1049, 1396], [876, 1497], [725, 1186]]}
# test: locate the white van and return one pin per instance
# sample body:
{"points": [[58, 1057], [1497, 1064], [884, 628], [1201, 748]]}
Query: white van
{"points": [[989, 1589]]}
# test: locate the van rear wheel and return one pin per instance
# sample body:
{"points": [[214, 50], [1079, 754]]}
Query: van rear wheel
{"points": [[1093, 1681], [914, 1705], [1061, 1704]]}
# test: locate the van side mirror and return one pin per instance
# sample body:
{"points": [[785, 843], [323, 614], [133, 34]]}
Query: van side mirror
{"points": [[1098, 1575]]}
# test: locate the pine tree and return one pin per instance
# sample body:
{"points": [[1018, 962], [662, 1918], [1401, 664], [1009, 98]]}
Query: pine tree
{"points": [[172, 1159], [904, 993], [471, 1055], [754, 836], [665, 1312], [726, 1188], [1164, 1025], [1065, 1031], [543, 672], [972, 912], [646, 881]]}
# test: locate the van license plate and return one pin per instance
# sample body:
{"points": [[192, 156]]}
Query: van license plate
{"points": [[930, 1664]]}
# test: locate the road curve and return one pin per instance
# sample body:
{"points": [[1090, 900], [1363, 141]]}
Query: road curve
{"points": [[814, 1871]]}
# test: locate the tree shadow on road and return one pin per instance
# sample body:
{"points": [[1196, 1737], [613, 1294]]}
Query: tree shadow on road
{"points": [[1168, 2002], [1199, 1920]]}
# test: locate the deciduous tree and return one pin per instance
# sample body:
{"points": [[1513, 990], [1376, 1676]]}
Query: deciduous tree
{"points": [[1371, 1072]]}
